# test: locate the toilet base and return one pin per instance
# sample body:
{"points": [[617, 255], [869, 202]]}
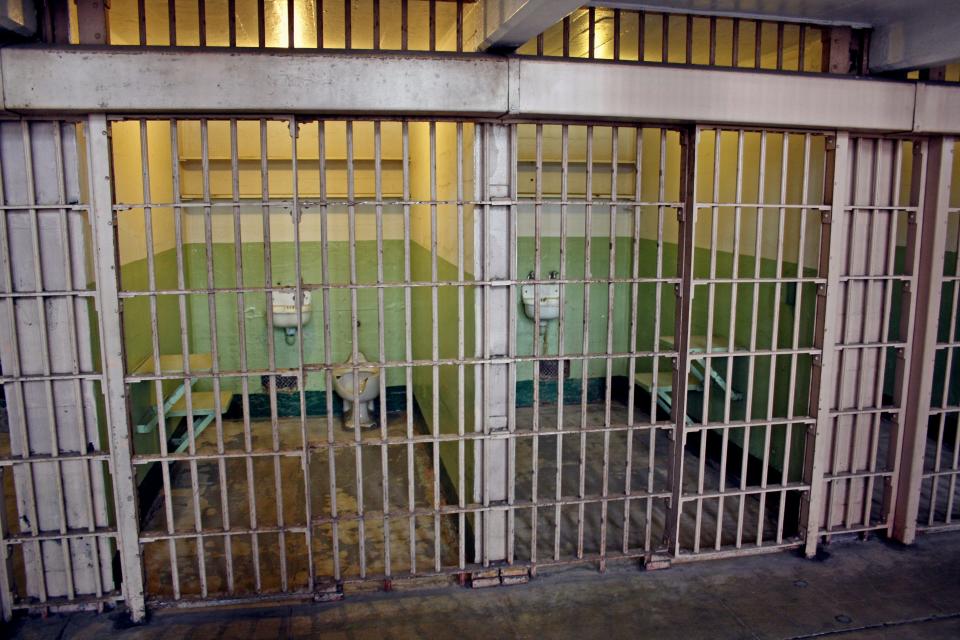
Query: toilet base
{"points": [[363, 415]]}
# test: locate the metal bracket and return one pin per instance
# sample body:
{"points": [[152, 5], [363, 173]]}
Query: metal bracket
{"points": [[504, 576]]}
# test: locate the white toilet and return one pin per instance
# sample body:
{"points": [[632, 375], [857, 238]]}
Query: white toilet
{"points": [[367, 390]]}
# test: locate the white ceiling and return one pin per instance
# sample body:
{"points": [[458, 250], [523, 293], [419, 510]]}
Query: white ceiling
{"points": [[863, 13]]}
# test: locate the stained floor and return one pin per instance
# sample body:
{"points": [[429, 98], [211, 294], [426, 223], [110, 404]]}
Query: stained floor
{"points": [[857, 590], [566, 478]]}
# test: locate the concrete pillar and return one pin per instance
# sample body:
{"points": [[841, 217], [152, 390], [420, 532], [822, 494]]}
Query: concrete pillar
{"points": [[496, 260]]}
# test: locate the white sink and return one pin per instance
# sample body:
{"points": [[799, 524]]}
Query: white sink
{"points": [[285, 309], [549, 295]]}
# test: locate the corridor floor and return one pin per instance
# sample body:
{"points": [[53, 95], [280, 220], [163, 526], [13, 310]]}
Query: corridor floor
{"points": [[857, 590]]}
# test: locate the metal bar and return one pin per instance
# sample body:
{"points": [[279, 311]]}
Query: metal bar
{"points": [[111, 340], [328, 349], [242, 340], [271, 351], [632, 362], [826, 335], [933, 245], [564, 187], [585, 339], [687, 222]]}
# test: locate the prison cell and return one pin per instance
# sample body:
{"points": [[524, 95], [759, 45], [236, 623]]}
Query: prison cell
{"points": [[589, 343]]}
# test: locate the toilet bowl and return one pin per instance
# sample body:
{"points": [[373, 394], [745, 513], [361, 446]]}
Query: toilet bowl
{"points": [[366, 388]]}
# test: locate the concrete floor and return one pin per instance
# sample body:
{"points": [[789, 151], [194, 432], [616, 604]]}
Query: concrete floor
{"points": [[559, 533], [859, 590]]}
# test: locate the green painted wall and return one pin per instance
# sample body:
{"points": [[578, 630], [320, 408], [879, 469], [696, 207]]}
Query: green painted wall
{"points": [[284, 274], [448, 330]]}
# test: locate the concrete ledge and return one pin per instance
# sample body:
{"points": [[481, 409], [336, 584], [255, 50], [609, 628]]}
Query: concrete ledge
{"points": [[177, 81], [129, 80], [686, 94], [938, 109]]}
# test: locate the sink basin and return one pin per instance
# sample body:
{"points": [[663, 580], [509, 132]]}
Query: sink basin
{"points": [[549, 295], [285, 309]]}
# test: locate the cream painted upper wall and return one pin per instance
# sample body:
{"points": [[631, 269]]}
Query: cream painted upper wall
{"points": [[446, 178], [128, 187]]}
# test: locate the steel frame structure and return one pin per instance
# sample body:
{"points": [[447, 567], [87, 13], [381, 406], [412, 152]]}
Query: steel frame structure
{"points": [[474, 185]]}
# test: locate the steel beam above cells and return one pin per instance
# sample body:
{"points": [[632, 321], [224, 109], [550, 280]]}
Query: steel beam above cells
{"points": [[507, 24]]}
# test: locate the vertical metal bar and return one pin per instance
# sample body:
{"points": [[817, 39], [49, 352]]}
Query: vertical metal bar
{"points": [[155, 348], [215, 359], [591, 31], [708, 366], [404, 18], [111, 340], [242, 340], [328, 346], [564, 195], [665, 42], [291, 25], [731, 341], [202, 21], [408, 339], [432, 25], [934, 221], [585, 350], [641, 35], [461, 351], [232, 22], [657, 328], [381, 347], [779, 46], [632, 371], [301, 374], [271, 350], [172, 21], [376, 25], [191, 426], [775, 337], [460, 31], [355, 346], [435, 333], [182, 323], [689, 36], [616, 34], [261, 22], [690, 139], [758, 41], [835, 192], [735, 47], [611, 293], [907, 319], [566, 37], [318, 16], [512, 348], [347, 26], [886, 305], [795, 341], [537, 342], [801, 62], [713, 41], [141, 21]]}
